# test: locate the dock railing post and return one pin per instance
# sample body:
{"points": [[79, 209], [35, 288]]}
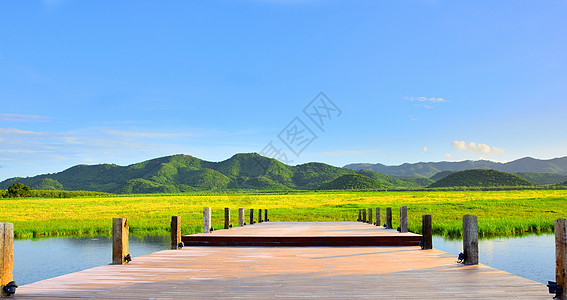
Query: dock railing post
{"points": [[370, 216], [561, 257], [364, 216], [120, 254], [6, 255], [359, 215], [378, 217], [266, 215], [206, 219], [260, 216], [470, 239], [241, 217], [226, 218], [426, 232], [388, 218], [403, 219], [251, 216], [175, 232]]}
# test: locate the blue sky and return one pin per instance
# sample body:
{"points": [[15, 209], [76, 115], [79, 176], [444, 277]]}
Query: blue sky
{"points": [[87, 82]]}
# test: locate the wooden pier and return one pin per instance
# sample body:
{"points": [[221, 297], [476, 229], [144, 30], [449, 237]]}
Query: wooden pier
{"points": [[291, 272]]}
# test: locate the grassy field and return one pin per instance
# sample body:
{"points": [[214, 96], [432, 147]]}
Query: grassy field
{"points": [[499, 212]]}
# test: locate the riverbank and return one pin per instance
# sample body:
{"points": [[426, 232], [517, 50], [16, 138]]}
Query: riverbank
{"points": [[499, 212]]}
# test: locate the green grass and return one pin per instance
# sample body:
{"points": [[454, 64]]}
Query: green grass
{"points": [[499, 212]]}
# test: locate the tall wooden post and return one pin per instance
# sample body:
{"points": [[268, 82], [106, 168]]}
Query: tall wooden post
{"points": [[470, 239], [388, 218], [251, 216], [403, 219], [120, 241], [6, 255], [206, 219], [241, 217], [426, 232], [260, 216], [266, 215], [370, 216], [364, 215], [359, 215], [561, 256], [175, 232], [226, 218], [378, 217]]}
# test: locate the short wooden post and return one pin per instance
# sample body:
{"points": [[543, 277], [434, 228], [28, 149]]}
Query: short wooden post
{"points": [[364, 216], [470, 239], [266, 215], [6, 255], [378, 217], [206, 219], [561, 256], [370, 216], [388, 218], [226, 218], [403, 219], [175, 232], [359, 215], [426, 232], [120, 241], [241, 217], [251, 216], [260, 216]]}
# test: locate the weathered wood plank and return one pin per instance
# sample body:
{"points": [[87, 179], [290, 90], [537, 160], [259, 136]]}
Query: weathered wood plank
{"points": [[403, 219], [561, 256], [241, 217], [175, 232], [226, 218], [120, 248], [427, 232], [206, 219], [6, 254], [470, 239], [388, 218]]}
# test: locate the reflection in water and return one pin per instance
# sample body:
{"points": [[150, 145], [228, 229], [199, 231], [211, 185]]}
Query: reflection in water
{"points": [[532, 256], [41, 259]]}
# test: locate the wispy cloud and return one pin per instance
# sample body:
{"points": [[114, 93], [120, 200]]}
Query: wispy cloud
{"points": [[348, 152], [427, 99], [425, 149], [22, 118], [475, 148]]}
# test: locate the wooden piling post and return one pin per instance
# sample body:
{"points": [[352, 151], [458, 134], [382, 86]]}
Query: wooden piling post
{"points": [[6, 255], [359, 215], [378, 217], [260, 216], [388, 218], [403, 219], [175, 232], [426, 232], [241, 217], [364, 216], [561, 257], [266, 215], [470, 239], [226, 218], [206, 219], [120, 249], [251, 216]]}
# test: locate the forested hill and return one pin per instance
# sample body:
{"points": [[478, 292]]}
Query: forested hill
{"points": [[428, 169], [184, 173]]}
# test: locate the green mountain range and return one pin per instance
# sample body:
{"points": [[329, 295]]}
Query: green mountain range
{"points": [[185, 173], [428, 169], [481, 178]]}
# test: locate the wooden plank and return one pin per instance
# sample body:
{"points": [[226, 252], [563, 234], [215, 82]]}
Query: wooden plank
{"points": [[301, 241], [6, 254], [470, 239]]}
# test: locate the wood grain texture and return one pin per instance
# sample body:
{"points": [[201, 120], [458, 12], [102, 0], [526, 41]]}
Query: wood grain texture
{"points": [[470, 239], [120, 246], [561, 256], [403, 219], [6, 254], [175, 232]]}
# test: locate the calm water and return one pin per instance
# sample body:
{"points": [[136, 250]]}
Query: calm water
{"points": [[531, 257], [59, 256]]}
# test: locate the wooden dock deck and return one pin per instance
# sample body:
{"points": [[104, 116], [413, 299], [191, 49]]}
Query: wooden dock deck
{"points": [[290, 272]]}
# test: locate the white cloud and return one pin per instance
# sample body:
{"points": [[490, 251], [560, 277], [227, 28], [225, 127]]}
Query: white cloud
{"points": [[475, 148], [22, 118], [427, 99], [448, 155], [348, 152], [425, 149]]}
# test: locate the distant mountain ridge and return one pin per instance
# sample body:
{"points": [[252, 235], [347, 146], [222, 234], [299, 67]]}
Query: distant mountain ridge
{"points": [[185, 173], [428, 169]]}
